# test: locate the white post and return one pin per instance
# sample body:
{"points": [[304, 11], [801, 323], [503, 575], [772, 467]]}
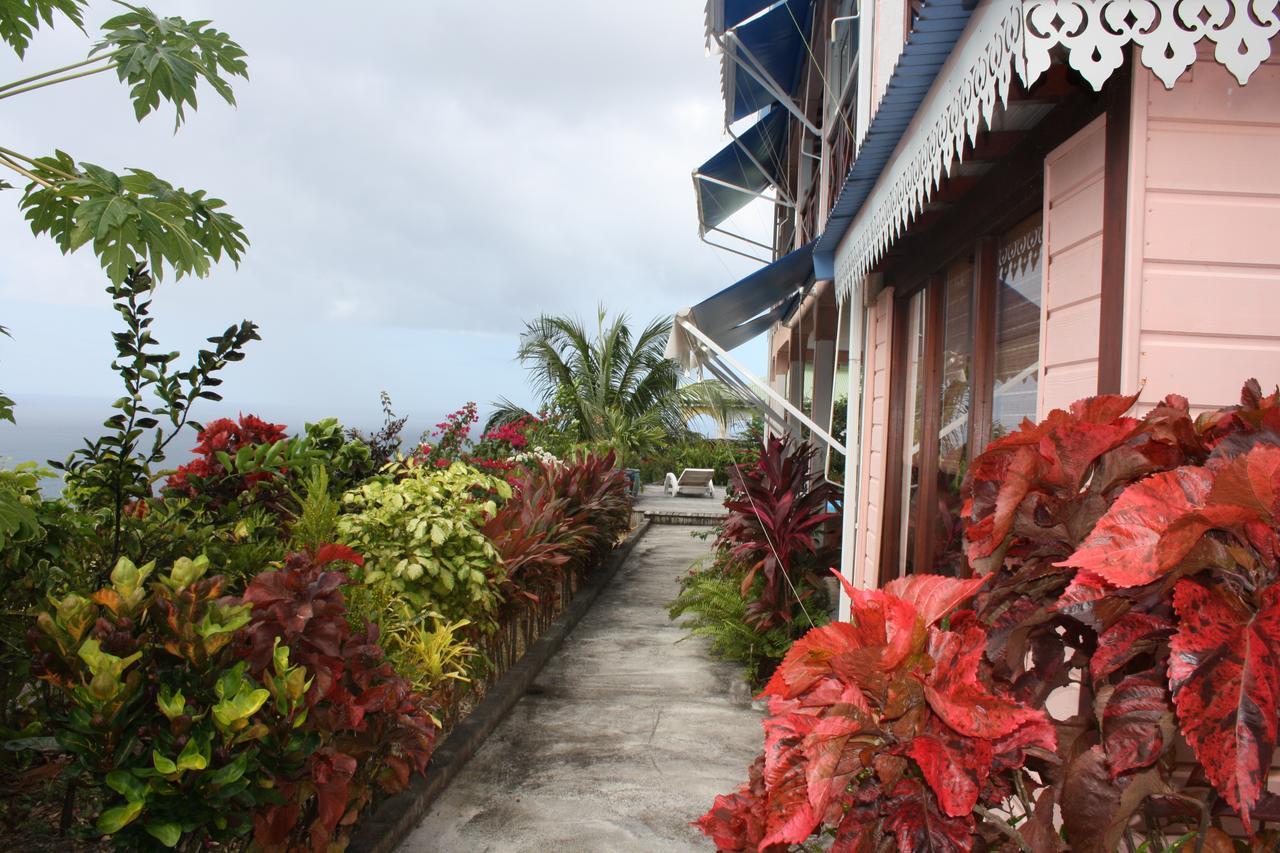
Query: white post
{"points": [[853, 440]]}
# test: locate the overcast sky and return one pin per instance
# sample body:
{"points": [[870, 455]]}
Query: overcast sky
{"points": [[417, 179]]}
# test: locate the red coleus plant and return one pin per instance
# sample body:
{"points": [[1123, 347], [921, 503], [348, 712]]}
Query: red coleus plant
{"points": [[369, 727], [776, 509], [885, 727], [1132, 566]]}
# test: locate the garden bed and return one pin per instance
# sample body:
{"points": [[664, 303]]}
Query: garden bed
{"points": [[396, 816]]}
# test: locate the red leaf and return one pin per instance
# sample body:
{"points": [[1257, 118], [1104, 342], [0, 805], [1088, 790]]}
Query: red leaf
{"points": [[828, 697], [1096, 809], [1071, 447], [1136, 633], [1251, 482], [1148, 530], [914, 820], [1103, 408], [880, 638], [959, 698], [809, 659], [735, 822], [834, 759], [1133, 723], [1011, 750], [334, 552], [1224, 671], [789, 818], [1000, 479], [955, 767], [331, 773], [858, 831], [933, 596]]}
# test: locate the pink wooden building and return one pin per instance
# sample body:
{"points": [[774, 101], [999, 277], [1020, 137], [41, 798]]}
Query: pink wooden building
{"points": [[984, 211]]}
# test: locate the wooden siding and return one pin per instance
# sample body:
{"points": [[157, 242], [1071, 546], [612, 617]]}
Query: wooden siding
{"points": [[875, 423], [1203, 275], [1072, 269]]}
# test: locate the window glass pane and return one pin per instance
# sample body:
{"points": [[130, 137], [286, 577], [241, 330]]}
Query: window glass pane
{"points": [[1017, 356], [955, 393], [912, 423]]}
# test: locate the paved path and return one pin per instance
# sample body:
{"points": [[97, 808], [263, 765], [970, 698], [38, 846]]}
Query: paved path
{"points": [[653, 500], [631, 737]]}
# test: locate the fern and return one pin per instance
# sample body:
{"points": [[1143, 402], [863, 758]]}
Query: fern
{"points": [[715, 609], [317, 521]]}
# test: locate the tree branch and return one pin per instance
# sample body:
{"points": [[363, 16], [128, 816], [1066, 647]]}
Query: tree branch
{"points": [[109, 57], [5, 161], [995, 821], [10, 93], [14, 155]]}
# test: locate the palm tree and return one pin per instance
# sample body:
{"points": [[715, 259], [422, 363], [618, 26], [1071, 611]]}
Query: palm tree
{"points": [[614, 388]]}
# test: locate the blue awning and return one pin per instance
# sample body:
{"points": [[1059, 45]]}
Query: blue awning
{"points": [[774, 45], [724, 14], [746, 309], [933, 35], [740, 164]]}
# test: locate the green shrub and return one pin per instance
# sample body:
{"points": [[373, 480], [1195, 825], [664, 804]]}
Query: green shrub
{"points": [[421, 535], [715, 608], [43, 546], [161, 715]]}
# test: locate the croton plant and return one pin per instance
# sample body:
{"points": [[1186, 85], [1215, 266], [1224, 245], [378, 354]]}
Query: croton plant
{"points": [[211, 718], [1126, 578]]}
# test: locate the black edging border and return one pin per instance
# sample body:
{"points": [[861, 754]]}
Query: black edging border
{"points": [[394, 818]]}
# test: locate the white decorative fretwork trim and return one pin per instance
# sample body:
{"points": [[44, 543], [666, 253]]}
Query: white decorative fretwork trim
{"points": [[1004, 35], [1094, 32], [1021, 253], [960, 103]]}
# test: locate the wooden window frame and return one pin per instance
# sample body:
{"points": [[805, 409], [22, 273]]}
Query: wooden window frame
{"points": [[1012, 191]]}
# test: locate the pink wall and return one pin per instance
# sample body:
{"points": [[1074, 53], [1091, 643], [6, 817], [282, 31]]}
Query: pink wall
{"points": [[1073, 269], [875, 422], [1202, 305]]}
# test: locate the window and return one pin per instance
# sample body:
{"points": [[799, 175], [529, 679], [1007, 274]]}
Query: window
{"points": [[913, 428], [1017, 354], [967, 371]]}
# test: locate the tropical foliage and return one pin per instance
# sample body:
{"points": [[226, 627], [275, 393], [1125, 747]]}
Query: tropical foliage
{"points": [[763, 587], [421, 535], [132, 218], [1128, 578], [614, 388], [776, 512]]}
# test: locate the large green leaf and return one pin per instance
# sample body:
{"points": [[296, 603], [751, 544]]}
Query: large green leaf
{"points": [[163, 59], [19, 19], [113, 820], [130, 219]]}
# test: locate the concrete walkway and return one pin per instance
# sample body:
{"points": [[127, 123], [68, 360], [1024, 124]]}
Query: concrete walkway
{"points": [[652, 500], [627, 736]]}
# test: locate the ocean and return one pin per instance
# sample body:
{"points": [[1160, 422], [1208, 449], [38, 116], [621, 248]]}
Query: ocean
{"points": [[51, 427]]}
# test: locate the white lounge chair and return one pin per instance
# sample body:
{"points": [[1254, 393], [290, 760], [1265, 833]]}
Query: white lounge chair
{"points": [[692, 481]]}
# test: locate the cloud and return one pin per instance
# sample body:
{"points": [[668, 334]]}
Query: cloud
{"points": [[417, 179]]}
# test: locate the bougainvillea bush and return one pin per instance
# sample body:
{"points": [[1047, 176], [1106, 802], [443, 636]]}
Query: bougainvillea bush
{"points": [[1126, 578]]}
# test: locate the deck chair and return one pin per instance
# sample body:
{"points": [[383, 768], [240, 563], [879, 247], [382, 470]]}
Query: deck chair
{"points": [[692, 481]]}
